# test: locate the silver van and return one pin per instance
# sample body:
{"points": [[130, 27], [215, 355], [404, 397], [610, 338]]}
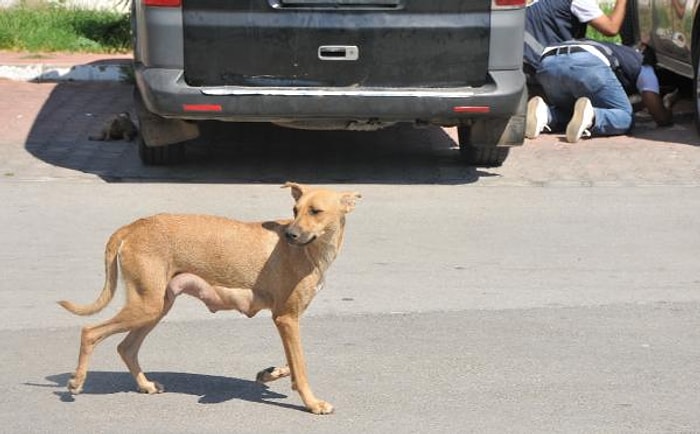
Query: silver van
{"points": [[331, 64]]}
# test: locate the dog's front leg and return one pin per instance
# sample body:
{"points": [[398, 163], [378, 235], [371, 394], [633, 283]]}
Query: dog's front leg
{"points": [[288, 327]]}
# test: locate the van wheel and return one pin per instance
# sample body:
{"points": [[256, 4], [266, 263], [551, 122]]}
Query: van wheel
{"points": [[149, 124], [481, 156], [161, 155]]}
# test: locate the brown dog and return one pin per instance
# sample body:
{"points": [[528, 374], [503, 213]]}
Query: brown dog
{"points": [[119, 127], [276, 265]]}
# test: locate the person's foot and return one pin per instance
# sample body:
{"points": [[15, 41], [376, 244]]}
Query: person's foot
{"points": [[581, 121], [537, 117]]}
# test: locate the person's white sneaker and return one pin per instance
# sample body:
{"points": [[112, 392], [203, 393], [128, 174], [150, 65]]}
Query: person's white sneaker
{"points": [[537, 117], [581, 121]]}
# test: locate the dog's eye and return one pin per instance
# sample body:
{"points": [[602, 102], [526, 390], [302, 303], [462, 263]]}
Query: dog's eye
{"points": [[314, 211]]}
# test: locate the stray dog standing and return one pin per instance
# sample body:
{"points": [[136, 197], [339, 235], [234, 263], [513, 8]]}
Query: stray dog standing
{"points": [[227, 264]]}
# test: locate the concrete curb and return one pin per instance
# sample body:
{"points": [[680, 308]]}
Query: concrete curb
{"points": [[41, 72], [57, 67]]}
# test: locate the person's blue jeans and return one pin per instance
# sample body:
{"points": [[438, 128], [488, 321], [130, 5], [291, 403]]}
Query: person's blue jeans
{"points": [[567, 77]]}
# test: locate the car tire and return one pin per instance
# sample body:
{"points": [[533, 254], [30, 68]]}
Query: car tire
{"points": [[481, 156], [161, 155], [479, 142]]}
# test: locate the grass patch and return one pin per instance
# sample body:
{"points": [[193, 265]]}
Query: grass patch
{"points": [[50, 28], [56, 28]]}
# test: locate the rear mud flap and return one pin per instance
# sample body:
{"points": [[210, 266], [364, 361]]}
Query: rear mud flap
{"points": [[503, 132], [498, 132], [158, 131]]}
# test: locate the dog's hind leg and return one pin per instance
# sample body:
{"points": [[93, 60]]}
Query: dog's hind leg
{"points": [[143, 310], [148, 296], [93, 335], [129, 351]]}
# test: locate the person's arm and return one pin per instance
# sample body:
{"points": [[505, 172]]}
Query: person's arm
{"points": [[610, 25], [648, 86], [654, 105]]}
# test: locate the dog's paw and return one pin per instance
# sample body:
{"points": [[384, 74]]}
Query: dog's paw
{"points": [[152, 388], [265, 375], [321, 407], [272, 374], [75, 387]]}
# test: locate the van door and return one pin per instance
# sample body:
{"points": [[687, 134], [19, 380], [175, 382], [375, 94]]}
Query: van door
{"points": [[336, 43]]}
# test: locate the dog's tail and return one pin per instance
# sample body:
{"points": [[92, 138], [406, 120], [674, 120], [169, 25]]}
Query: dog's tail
{"points": [[111, 277]]}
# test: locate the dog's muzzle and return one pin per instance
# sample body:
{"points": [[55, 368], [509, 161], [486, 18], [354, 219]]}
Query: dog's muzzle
{"points": [[297, 238]]}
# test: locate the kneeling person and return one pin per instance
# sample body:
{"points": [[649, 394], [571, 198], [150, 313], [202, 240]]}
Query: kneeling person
{"points": [[587, 83]]}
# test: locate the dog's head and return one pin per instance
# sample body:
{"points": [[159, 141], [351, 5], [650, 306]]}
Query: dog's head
{"points": [[317, 212]]}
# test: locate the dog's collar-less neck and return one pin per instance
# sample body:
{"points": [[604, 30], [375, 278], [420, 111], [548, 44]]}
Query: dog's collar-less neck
{"points": [[324, 249]]}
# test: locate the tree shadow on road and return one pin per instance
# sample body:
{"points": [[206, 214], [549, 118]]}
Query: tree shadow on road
{"points": [[209, 388], [241, 153]]}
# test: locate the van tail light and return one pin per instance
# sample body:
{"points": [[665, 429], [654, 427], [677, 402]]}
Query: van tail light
{"points": [[471, 109], [508, 4], [202, 107], [163, 3]]}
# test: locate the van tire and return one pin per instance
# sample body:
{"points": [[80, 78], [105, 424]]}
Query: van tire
{"points": [[490, 156], [486, 142], [161, 155]]}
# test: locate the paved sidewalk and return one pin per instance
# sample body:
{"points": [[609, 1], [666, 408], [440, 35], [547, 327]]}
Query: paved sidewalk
{"points": [[22, 66]]}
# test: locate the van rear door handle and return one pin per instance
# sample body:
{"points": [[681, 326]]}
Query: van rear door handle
{"points": [[338, 52]]}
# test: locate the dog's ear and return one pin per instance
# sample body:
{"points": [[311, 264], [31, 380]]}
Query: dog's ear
{"points": [[349, 200], [297, 189]]}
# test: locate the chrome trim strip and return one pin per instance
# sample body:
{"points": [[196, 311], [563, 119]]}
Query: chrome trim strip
{"points": [[244, 91]]}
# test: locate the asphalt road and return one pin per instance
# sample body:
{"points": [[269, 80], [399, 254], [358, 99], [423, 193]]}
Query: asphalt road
{"points": [[559, 293]]}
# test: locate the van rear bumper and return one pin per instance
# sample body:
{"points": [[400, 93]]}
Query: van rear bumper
{"points": [[165, 93]]}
